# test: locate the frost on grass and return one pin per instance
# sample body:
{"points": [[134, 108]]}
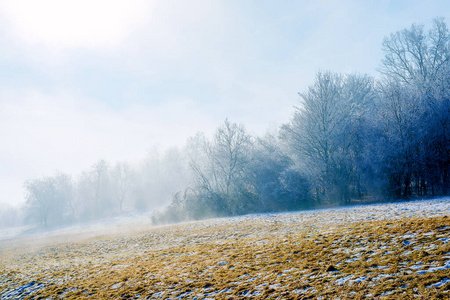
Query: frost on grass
{"points": [[401, 251]]}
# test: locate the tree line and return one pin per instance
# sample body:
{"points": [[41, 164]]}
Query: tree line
{"points": [[105, 189], [351, 138]]}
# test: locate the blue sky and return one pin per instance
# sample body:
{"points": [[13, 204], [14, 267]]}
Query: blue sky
{"points": [[84, 80]]}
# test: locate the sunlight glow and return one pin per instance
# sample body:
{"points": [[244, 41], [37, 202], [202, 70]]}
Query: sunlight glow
{"points": [[75, 23]]}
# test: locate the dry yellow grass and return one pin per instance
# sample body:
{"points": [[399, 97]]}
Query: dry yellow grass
{"points": [[287, 256]]}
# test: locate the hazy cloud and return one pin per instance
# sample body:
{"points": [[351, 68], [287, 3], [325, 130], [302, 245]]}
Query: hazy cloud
{"points": [[83, 80], [74, 23]]}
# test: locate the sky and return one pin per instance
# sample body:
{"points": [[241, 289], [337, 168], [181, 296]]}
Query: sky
{"points": [[84, 80]]}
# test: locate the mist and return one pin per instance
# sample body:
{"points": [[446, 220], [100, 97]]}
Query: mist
{"points": [[135, 110], [224, 149]]}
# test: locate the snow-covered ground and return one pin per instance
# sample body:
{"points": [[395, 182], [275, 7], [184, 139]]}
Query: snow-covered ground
{"points": [[138, 222], [373, 251], [107, 225]]}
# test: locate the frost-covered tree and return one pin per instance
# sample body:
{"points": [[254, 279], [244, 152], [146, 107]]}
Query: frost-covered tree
{"points": [[94, 191], [398, 113], [102, 188], [415, 57], [413, 100], [158, 177], [221, 168], [121, 182], [279, 184], [10, 216], [325, 133], [49, 199]]}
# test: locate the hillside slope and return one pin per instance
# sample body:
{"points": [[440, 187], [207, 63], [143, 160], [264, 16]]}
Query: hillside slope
{"points": [[377, 251]]}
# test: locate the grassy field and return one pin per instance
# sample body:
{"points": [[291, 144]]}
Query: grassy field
{"points": [[387, 251]]}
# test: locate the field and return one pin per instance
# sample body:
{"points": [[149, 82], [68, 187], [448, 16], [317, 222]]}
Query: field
{"points": [[387, 251]]}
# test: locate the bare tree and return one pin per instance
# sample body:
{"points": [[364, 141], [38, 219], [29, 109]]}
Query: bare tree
{"points": [[158, 177], [221, 167], [413, 56], [49, 199], [414, 105], [121, 175], [100, 172], [279, 184], [231, 155], [325, 132], [94, 192], [399, 111]]}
